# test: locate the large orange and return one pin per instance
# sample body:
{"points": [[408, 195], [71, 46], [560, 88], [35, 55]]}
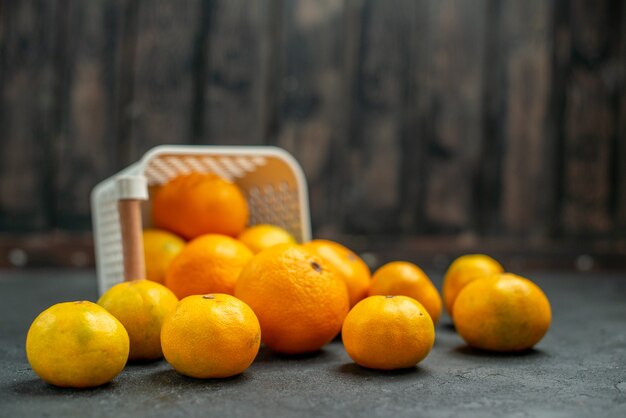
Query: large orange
{"points": [[462, 271], [503, 312], [77, 345], [210, 336], [208, 264], [200, 203], [353, 270], [299, 298], [388, 332], [263, 236], [141, 306], [160, 248], [404, 278]]}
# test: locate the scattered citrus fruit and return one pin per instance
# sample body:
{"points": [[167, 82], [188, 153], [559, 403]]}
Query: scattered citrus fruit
{"points": [[208, 264], [388, 332], [462, 271], [160, 248], [210, 336], [200, 203], [404, 278], [299, 299], [141, 306], [503, 312], [353, 270], [264, 236], [77, 344]]}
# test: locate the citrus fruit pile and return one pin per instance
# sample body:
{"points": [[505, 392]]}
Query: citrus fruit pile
{"points": [[215, 289]]}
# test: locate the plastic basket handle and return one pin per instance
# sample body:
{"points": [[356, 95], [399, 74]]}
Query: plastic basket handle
{"points": [[131, 190]]}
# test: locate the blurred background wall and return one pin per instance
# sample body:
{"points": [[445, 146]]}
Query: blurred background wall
{"points": [[426, 128]]}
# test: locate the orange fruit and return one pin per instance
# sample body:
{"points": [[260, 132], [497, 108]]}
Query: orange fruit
{"points": [[208, 264], [404, 278], [353, 270], [299, 299], [502, 312], [462, 271], [210, 336], [200, 203], [77, 345], [262, 237], [160, 248], [141, 306], [388, 332]]}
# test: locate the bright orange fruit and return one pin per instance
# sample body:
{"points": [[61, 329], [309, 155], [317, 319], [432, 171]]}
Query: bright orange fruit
{"points": [[141, 306], [211, 336], [462, 271], [160, 248], [404, 278], [299, 299], [77, 345], [261, 237], [388, 332], [503, 312], [208, 264], [200, 203], [354, 271]]}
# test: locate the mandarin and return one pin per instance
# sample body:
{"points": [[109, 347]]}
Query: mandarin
{"points": [[503, 312], [208, 264], [353, 270], [299, 298], [195, 204], [388, 332], [211, 336], [404, 278]]}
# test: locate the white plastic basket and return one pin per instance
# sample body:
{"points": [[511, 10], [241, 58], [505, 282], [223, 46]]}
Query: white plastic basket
{"points": [[270, 178]]}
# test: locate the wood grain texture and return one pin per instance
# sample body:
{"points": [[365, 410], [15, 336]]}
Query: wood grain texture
{"points": [[620, 150], [481, 120], [374, 154], [590, 119], [310, 96], [27, 102], [163, 83], [450, 88], [234, 84], [518, 149], [86, 136]]}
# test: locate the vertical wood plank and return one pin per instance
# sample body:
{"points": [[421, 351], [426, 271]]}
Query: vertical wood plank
{"points": [[450, 88], [27, 84], [372, 193], [620, 155], [161, 108], [518, 152], [86, 140], [309, 101], [234, 83], [589, 118]]}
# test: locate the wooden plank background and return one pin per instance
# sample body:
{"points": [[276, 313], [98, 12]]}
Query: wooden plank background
{"points": [[434, 126]]}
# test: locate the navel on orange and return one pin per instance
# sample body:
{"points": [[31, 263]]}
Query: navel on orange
{"points": [[77, 345], [299, 299], [353, 270], [388, 332], [404, 278], [141, 306], [211, 336], [195, 204], [503, 312], [462, 271], [208, 264]]}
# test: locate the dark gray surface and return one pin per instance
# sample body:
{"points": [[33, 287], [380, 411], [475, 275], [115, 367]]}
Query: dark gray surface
{"points": [[579, 369]]}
